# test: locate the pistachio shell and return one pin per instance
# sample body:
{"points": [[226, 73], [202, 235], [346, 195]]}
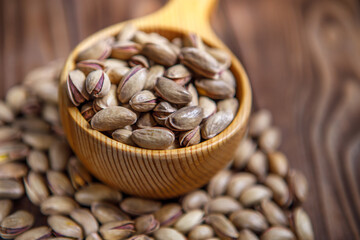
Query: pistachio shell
{"points": [[143, 101], [259, 122], [112, 118], [123, 136], [279, 233], [254, 195], [152, 76], [58, 205], [146, 224], [87, 66], [97, 192], [153, 138], [87, 221], [222, 226], [201, 232], [186, 118], [250, 219], [172, 92], [43, 232], [97, 84], [215, 124], [15, 224], [11, 188], [124, 50], [165, 233], [131, 83], [139, 206], [215, 89], [99, 50], [76, 87], [106, 212], [160, 53], [6, 206], [194, 200], [36, 188], [189, 220], [168, 214], [64, 226], [117, 230]]}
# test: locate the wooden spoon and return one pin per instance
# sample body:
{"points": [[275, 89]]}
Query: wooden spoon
{"points": [[157, 173]]}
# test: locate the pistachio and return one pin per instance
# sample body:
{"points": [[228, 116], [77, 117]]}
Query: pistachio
{"points": [[230, 105], [258, 164], [279, 188], [115, 74], [146, 120], [278, 163], [143, 38], [165, 233], [87, 66], [12, 151], [6, 113], [179, 74], [186, 118], [279, 233], [78, 175], [6, 206], [43, 232], [124, 50], [127, 32], [58, 205], [168, 214], [250, 219], [201, 232], [16, 97], [64, 226], [123, 136], [39, 141], [259, 122], [194, 200], [143, 101], [59, 183], [200, 62], [97, 192], [98, 51], [107, 101], [86, 220], [112, 118], [215, 89], [298, 185], [243, 153], [221, 56], [215, 124], [189, 220], [106, 212], [246, 234], [222, 226], [146, 224], [114, 63], [131, 83], [191, 137], [172, 92], [97, 84], [239, 182], [152, 76], [8, 134], [302, 225], [208, 105], [15, 224], [11, 188], [12, 170], [270, 139], [162, 111], [160, 53], [218, 184], [87, 111], [273, 213], [76, 87], [59, 154], [228, 77], [139, 60], [153, 138], [117, 230], [36, 189], [222, 204], [194, 95], [254, 195], [139, 206], [193, 40]]}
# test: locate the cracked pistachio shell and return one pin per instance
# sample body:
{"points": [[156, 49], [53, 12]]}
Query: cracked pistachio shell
{"points": [[36, 188], [87, 66], [146, 224], [152, 76], [76, 87], [112, 118], [254, 194], [222, 226], [109, 100], [201, 232], [139, 206], [179, 74], [208, 105], [131, 83], [99, 51], [250, 219], [86, 220], [43, 232], [11, 188], [143, 101], [165, 233], [168, 214], [200, 62], [59, 183], [123, 136], [186, 118], [58, 205], [153, 138], [162, 54], [172, 92], [164, 109], [191, 137], [116, 73], [228, 105], [15, 224], [215, 89], [195, 200], [87, 111], [97, 192], [117, 230], [97, 84], [124, 50], [215, 124], [139, 60], [279, 233], [193, 40], [106, 212], [146, 120], [64, 226]]}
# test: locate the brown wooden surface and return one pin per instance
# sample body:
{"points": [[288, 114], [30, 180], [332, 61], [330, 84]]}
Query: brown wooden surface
{"points": [[303, 59]]}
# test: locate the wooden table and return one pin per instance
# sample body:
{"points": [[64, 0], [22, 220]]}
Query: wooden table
{"points": [[303, 59]]}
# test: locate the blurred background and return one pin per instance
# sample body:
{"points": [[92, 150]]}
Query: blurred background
{"points": [[302, 57]]}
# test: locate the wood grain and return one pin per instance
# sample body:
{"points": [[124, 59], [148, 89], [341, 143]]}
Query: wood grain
{"points": [[302, 58]]}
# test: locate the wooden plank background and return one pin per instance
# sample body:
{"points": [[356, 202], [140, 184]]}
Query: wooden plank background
{"points": [[303, 59]]}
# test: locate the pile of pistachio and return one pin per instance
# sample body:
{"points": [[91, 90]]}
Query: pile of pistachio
{"points": [[146, 91], [256, 197]]}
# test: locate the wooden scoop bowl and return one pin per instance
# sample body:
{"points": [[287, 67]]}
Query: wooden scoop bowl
{"points": [[157, 173]]}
